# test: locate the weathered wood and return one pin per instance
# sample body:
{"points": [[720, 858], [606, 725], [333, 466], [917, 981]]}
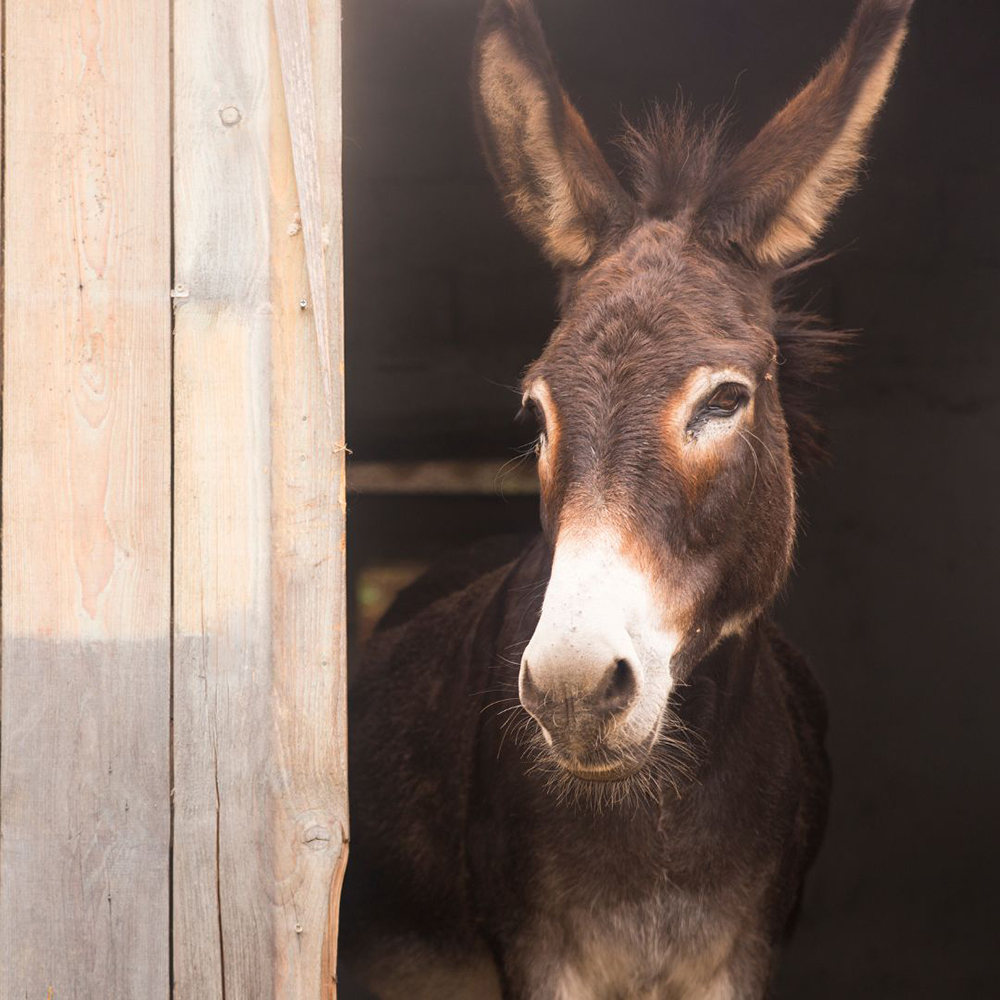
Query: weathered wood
{"points": [[84, 761], [222, 676], [310, 505], [260, 771], [291, 19]]}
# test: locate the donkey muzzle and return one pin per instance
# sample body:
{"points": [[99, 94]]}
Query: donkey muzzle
{"points": [[581, 689], [561, 708]]}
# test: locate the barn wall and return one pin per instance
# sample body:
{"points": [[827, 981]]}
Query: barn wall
{"points": [[173, 803]]}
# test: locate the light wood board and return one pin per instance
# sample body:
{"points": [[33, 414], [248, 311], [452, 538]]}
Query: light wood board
{"points": [[259, 729], [85, 754]]}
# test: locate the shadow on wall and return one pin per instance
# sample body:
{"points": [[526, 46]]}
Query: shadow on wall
{"points": [[896, 589]]}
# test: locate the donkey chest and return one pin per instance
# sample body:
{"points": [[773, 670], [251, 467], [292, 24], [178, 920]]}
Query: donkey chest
{"points": [[666, 946]]}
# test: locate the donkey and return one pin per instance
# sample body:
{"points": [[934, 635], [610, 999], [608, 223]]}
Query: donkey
{"points": [[587, 764]]}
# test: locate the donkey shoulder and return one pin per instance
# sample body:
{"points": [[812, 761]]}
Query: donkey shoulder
{"points": [[413, 719], [453, 573]]}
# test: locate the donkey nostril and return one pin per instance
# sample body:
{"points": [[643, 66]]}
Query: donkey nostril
{"points": [[620, 688]]}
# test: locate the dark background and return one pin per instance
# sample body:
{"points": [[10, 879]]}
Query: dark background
{"points": [[895, 596]]}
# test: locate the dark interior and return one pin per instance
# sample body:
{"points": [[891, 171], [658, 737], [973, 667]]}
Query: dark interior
{"points": [[895, 596]]}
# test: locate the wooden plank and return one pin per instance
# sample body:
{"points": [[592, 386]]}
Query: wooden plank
{"points": [[310, 505], [84, 760], [222, 918], [260, 768]]}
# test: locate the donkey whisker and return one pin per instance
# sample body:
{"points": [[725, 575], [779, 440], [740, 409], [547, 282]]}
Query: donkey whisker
{"points": [[766, 446], [756, 464]]}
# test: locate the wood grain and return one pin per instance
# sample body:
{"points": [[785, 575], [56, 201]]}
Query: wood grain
{"points": [[260, 767], [84, 761]]}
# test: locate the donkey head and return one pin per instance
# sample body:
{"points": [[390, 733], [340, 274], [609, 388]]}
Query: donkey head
{"points": [[664, 455]]}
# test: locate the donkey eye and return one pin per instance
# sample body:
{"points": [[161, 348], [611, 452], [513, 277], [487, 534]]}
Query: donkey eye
{"points": [[726, 399], [531, 410]]}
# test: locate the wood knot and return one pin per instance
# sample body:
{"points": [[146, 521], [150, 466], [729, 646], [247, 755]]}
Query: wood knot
{"points": [[317, 838]]}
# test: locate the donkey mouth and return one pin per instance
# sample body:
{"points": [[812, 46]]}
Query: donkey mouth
{"points": [[615, 772], [607, 767]]}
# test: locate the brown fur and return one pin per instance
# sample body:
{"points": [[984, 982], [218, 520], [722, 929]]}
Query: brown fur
{"points": [[760, 207], [555, 181]]}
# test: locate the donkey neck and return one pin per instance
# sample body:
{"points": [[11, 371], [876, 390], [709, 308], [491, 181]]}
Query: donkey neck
{"points": [[717, 696]]}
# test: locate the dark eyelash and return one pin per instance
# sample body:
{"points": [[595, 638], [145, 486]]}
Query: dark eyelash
{"points": [[742, 397], [530, 410], [706, 411]]}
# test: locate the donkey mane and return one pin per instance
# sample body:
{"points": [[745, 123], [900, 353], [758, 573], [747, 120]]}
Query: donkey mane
{"points": [[808, 351], [675, 158]]}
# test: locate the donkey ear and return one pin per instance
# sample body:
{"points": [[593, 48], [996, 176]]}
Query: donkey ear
{"points": [[777, 195], [557, 185]]}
